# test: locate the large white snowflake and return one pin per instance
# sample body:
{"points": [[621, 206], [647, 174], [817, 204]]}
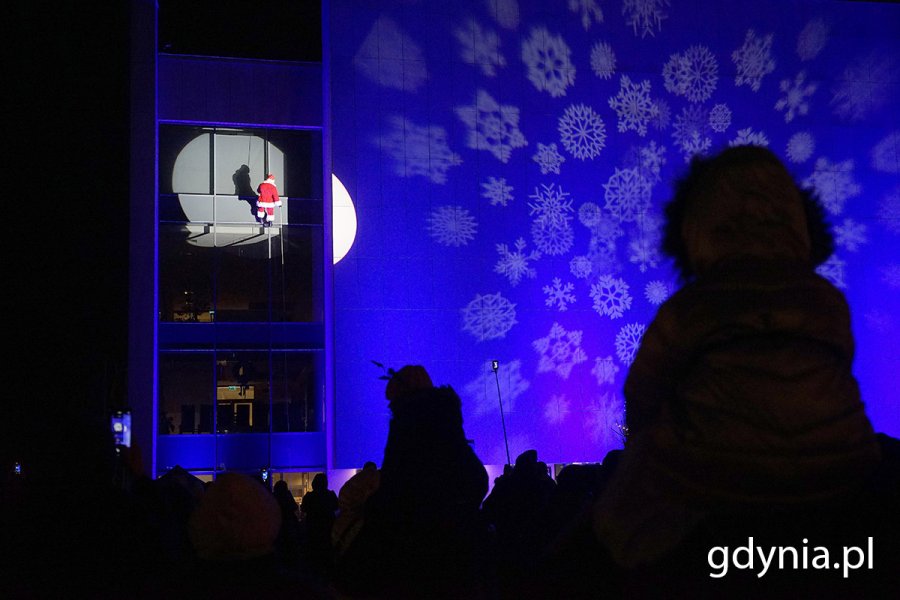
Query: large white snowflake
{"points": [[889, 210], [720, 118], [834, 184], [419, 150], [886, 154], [656, 292], [492, 127], [812, 39], [627, 194], [850, 235], [559, 294], [391, 58], [633, 105], [551, 204], [663, 115], [864, 87], [834, 270], [589, 10], [582, 131], [480, 46], [515, 265], [611, 297], [556, 409], [693, 74], [645, 15], [497, 191], [603, 420], [548, 158], [603, 60], [691, 131], [452, 225], [552, 238], [748, 137], [644, 252], [547, 57], [628, 340], [604, 370], [489, 316], [481, 392], [753, 60], [580, 267], [800, 147], [560, 350], [796, 96]]}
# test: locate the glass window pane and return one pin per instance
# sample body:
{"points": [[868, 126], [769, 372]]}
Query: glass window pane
{"points": [[297, 278], [296, 391], [185, 393], [300, 175], [240, 162], [184, 165], [242, 392], [185, 275], [242, 276]]}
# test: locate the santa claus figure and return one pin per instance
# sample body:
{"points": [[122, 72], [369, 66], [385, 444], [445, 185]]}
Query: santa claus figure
{"points": [[267, 201]]}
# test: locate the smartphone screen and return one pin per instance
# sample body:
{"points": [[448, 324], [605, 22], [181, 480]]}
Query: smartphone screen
{"points": [[121, 428]]}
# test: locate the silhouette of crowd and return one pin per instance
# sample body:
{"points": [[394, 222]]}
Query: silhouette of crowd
{"points": [[744, 421]]}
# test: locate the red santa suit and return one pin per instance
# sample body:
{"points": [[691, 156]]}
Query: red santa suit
{"points": [[268, 199]]}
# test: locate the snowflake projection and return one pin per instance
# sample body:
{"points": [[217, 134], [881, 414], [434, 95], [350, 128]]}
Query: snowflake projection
{"points": [[864, 87], [589, 10], [644, 252], [800, 147], [552, 238], [556, 409], [559, 294], [481, 392], [547, 59], [796, 94], [889, 211], [551, 204], [514, 265], [589, 214], [480, 47], [548, 158], [603, 60], [812, 39], [850, 235], [489, 316], [560, 350], [606, 231], [663, 115], [720, 118], [506, 12], [452, 225], [650, 160], [693, 74], [582, 131], [656, 292], [604, 259], [497, 191], [633, 105], [748, 137], [891, 275], [389, 57], [580, 267], [628, 340], [645, 15], [691, 131], [834, 184], [418, 150], [753, 60], [602, 421], [880, 321], [886, 154], [627, 194], [611, 297], [492, 127], [834, 270], [605, 370]]}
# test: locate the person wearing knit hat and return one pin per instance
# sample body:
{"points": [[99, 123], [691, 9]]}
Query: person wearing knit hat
{"points": [[267, 201]]}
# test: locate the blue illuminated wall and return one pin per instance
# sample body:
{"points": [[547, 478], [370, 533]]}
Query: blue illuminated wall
{"points": [[509, 161]]}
